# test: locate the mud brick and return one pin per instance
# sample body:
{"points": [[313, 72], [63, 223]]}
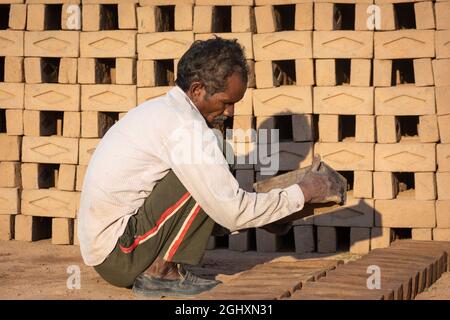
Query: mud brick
{"points": [[385, 185], [13, 69], [441, 77], [36, 17], [52, 97], [144, 94], [91, 17], [52, 44], [404, 100], [242, 19], [355, 213], [125, 71], [404, 213], [81, 170], [326, 72], [105, 97], [387, 129], [380, 237], [424, 15], [9, 174], [30, 175], [361, 16], [283, 45], [304, 239], [423, 72], [28, 228], [302, 127], [343, 44], [365, 128], [240, 241], [163, 45], [442, 47], [324, 16], [87, 148], [442, 10], [203, 18], [343, 100], [443, 100], [50, 203], [10, 147], [441, 234], [405, 157], [402, 44], [108, 44], [245, 106], [266, 241], [225, 2], [382, 70], [291, 156], [127, 15], [11, 95], [50, 150], [428, 128], [363, 184], [146, 73], [347, 155], [11, 43], [360, 240], [360, 72], [17, 16], [37, 124], [328, 128], [86, 70], [94, 124], [326, 239], [244, 39], [6, 227], [9, 201], [66, 177], [76, 242], [443, 185], [71, 124], [443, 157], [265, 19], [14, 122], [421, 234], [32, 68], [283, 100], [425, 185], [62, 231], [183, 17], [68, 70], [444, 128], [304, 72], [68, 20], [443, 214], [242, 129]]}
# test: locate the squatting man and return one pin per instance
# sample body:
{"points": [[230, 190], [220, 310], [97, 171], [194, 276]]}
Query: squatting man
{"points": [[146, 212]]}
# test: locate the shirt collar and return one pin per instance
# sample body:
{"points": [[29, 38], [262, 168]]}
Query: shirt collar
{"points": [[180, 96]]}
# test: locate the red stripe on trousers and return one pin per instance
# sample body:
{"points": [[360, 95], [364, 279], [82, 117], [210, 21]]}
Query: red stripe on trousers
{"points": [[155, 228], [180, 239]]}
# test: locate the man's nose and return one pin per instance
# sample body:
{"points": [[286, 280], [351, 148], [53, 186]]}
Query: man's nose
{"points": [[229, 111]]}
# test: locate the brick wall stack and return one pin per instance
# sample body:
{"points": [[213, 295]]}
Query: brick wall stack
{"points": [[373, 103]]}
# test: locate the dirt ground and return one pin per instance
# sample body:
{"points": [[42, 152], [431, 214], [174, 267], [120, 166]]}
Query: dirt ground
{"points": [[39, 270]]}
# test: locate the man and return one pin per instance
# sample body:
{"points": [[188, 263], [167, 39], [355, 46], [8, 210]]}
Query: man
{"points": [[151, 195]]}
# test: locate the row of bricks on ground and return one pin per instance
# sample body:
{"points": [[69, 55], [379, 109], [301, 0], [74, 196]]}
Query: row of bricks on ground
{"points": [[401, 44], [29, 228], [325, 239], [285, 100], [262, 74], [393, 157], [116, 15]]}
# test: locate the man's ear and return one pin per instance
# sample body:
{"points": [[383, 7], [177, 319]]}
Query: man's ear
{"points": [[196, 91]]}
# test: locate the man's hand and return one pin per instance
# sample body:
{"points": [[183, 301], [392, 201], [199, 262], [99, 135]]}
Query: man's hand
{"points": [[319, 187]]}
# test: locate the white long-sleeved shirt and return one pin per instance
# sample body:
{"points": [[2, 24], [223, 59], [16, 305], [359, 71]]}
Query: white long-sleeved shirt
{"points": [[162, 134]]}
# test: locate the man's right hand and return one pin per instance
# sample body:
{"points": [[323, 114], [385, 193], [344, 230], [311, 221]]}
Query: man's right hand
{"points": [[319, 187]]}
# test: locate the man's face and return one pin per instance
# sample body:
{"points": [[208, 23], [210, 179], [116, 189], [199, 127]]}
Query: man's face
{"points": [[220, 105]]}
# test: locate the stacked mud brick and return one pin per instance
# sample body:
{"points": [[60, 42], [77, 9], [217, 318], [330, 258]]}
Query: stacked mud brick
{"points": [[374, 103]]}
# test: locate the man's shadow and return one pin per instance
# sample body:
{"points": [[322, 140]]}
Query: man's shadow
{"points": [[263, 246]]}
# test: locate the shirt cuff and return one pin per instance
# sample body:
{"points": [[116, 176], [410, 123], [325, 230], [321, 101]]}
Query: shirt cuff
{"points": [[295, 197]]}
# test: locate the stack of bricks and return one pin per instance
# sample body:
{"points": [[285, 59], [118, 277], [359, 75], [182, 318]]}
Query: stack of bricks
{"points": [[373, 103]]}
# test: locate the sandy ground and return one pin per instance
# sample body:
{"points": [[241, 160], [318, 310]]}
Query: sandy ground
{"points": [[39, 270]]}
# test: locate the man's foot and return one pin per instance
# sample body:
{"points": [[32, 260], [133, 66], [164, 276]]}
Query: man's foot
{"points": [[176, 282]]}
